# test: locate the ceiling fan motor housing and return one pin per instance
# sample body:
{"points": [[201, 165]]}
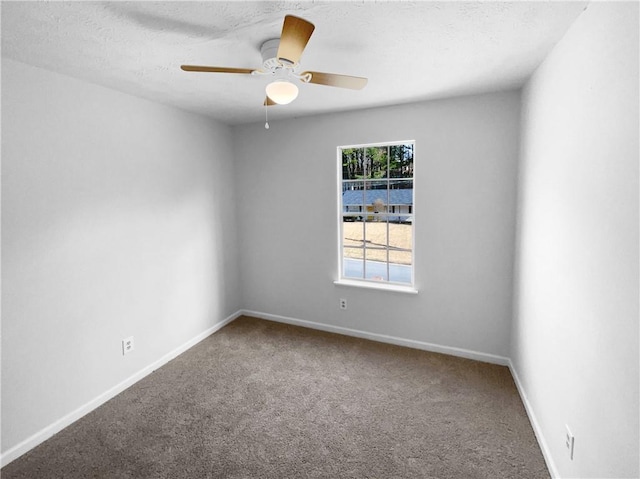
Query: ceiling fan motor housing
{"points": [[269, 51]]}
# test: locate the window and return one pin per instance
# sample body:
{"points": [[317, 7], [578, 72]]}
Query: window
{"points": [[376, 214]]}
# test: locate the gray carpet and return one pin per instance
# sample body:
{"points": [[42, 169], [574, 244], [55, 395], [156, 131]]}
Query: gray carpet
{"points": [[267, 400]]}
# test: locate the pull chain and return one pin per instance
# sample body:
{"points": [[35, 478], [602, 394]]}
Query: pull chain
{"points": [[266, 117]]}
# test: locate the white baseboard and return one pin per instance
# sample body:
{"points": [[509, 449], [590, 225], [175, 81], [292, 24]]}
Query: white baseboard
{"points": [[383, 338], [44, 434], [551, 465]]}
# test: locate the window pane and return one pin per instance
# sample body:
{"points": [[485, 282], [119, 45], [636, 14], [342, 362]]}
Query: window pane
{"points": [[356, 185], [352, 216], [399, 273], [376, 254], [376, 162], [401, 161], [353, 268], [353, 197], [352, 163], [352, 236], [400, 238], [400, 257], [404, 184], [376, 270], [401, 200], [376, 234], [376, 198]]}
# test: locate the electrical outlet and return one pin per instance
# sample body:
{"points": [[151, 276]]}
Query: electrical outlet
{"points": [[127, 345], [343, 303], [569, 442]]}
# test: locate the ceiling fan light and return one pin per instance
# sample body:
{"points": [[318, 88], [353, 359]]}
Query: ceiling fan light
{"points": [[282, 92]]}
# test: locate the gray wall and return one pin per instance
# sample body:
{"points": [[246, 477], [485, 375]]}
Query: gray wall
{"points": [[466, 158], [115, 222], [575, 332]]}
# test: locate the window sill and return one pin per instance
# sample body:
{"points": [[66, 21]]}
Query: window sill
{"points": [[374, 285]]}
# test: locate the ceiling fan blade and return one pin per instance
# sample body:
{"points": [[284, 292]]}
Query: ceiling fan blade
{"points": [[269, 102], [340, 81], [295, 35], [196, 68]]}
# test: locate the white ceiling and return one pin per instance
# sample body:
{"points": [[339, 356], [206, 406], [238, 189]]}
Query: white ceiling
{"points": [[409, 50]]}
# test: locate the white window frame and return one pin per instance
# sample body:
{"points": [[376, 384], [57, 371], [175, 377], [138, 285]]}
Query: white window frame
{"points": [[372, 283]]}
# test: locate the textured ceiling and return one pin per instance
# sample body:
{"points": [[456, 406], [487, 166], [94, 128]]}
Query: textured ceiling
{"points": [[409, 50]]}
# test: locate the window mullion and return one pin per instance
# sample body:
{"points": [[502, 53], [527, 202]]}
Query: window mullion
{"points": [[364, 218], [388, 175]]}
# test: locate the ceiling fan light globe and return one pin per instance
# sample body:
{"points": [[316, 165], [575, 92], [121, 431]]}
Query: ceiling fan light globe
{"points": [[282, 92]]}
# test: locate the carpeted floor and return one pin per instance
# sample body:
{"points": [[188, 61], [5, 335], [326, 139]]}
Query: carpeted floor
{"points": [[265, 400]]}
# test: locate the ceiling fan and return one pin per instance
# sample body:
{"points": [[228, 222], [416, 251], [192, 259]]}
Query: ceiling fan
{"points": [[281, 60]]}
